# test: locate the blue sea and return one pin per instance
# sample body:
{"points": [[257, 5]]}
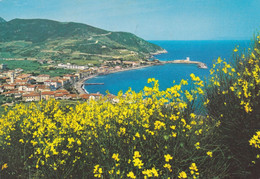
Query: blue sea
{"points": [[204, 51]]}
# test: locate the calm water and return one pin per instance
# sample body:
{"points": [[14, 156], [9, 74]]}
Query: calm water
{"points": [[204, 51]]}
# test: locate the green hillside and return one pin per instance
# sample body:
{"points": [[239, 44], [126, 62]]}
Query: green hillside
{"points": [[69, 42], [2, 20]]}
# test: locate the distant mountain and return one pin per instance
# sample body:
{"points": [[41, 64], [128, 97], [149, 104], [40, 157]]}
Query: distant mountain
{"points": [[2, 20], [71, 42]]}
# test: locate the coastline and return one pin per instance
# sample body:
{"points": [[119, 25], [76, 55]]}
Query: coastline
{"points": [[159, 52], [79, 86]]}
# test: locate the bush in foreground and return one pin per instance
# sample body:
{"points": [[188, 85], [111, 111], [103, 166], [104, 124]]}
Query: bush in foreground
{"points": [[234, 99], [148, 134]]}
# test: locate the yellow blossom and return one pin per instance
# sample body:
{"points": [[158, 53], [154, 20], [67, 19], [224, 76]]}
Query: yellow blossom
{"points": [[4, 166], [131, 175], [193, 167], [209, 153], [182, 175], [197, 145], [168, 166], [115, 157], [168, 157]]}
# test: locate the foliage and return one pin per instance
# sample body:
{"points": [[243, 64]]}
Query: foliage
{"points": [[34, 67], [5, 99], [234, 100], [147, 134], [150, 134], [26, 65]]}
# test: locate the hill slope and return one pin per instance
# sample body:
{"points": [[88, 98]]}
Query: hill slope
{"points": [[74, 42], [2, 20]]}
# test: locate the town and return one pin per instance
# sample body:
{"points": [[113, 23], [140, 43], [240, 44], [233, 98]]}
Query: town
{"points": [[15, 85]]}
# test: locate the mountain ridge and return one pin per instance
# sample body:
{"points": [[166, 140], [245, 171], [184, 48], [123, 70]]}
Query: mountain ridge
{"points": [[2, 20], [69, 41]]}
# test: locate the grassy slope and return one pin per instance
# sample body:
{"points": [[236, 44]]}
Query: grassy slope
{"points": [[41, 38]]}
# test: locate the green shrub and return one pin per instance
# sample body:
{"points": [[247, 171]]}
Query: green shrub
{"points": [[234, 101]]}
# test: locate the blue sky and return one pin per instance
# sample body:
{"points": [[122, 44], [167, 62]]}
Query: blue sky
{"points": [[149, 19]]}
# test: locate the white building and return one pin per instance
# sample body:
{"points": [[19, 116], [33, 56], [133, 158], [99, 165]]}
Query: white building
{"points": [[70, 66]]}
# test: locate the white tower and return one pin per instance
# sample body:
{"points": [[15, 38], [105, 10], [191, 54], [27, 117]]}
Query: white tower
{"points": [[12, 77]]}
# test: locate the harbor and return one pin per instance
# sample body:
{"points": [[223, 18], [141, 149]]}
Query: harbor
{"points": [[187, 61], [80, 86]]}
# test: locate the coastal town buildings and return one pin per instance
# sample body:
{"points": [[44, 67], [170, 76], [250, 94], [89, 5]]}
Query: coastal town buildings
{"points": [[71, 78], [42, 78], [92, 96], [33, 96], [28, 87], [131, 63], [71, 66]]}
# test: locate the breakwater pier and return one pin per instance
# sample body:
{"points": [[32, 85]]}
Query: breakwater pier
{"points": [[187, 61], [93, 83]]}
